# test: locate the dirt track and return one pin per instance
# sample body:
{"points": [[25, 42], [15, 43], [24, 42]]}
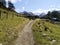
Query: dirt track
{"points": [[25, 36]]}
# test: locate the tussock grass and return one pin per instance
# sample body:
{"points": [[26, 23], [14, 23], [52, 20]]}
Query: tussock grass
{"points": [[9, 26], [50, 36]]}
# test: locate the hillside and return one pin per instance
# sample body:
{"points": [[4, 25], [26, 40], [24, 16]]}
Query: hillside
{"points": [[46, 33], [10, 25]]}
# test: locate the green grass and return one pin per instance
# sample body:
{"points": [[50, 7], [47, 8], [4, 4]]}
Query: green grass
{"points": [[49, 37], [9, 26]]}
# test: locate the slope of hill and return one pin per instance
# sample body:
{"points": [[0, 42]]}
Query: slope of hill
{"points": [[46, 33], [10, 25]]}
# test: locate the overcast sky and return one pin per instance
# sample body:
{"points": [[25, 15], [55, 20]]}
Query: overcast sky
{"points": [[36, 6]]}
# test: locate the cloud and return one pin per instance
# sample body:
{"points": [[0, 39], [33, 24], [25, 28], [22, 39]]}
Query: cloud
{"points": [[52, 6], [23, 8], [26, 2], [14, 1], [17, 10], [19, 0], [38, 11], [6, 0]]}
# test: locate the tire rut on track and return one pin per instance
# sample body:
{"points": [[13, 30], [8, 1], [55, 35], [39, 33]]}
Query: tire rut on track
{"points": [[25, 36]]}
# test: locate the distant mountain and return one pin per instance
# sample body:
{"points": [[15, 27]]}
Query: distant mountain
{"points": [[27, 13], [42, 15]]}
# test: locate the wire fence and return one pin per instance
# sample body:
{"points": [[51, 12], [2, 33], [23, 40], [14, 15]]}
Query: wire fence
{"points": [[5, 14]]}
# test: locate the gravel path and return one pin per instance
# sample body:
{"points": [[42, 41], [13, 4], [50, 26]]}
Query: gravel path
{"points": [[25, 36]]}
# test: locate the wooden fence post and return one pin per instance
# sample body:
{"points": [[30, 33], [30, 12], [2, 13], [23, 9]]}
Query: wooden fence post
{"points": [[12, 15], [6, 15], [0, 14]]}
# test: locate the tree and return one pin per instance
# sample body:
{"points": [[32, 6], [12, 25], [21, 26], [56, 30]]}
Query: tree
{"points": [[11, 6], [49, 15], [2, 3], [55, 14]]}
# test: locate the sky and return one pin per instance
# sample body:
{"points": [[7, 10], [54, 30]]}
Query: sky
{"points": [[36, 6]]}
